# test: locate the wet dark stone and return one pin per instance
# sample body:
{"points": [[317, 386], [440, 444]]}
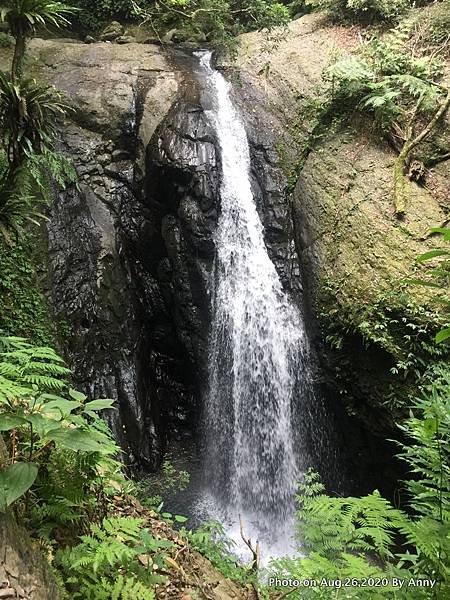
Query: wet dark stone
{"points": [[132, 265]]}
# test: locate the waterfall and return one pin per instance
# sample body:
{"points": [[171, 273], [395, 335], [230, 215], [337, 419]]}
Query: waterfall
{"points": [[257, 348]]}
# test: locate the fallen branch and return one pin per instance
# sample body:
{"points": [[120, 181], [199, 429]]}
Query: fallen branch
{"points": [[255, 562], [253, 549]]}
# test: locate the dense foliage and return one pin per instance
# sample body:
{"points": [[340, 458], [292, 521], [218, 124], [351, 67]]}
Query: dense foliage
{"points": [[402, 89], [216, 21], [58, 469], [367, 539], [363, 10], [109, 562]]}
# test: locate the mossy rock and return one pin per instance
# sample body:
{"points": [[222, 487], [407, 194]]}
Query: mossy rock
{"points": [[357, 257]]}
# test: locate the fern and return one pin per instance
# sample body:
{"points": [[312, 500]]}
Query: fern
{"points": [[340, 525], [106, 563], [24, 367], [123, 588]]}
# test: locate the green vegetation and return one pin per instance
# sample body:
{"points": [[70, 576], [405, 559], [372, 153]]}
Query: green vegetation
{"points": [[60, 474], [29, 114], [23, 16], [355, 539], [363, 10], [58, 469], [217, 22], [23, 308], [438, 277], [108, 563], [401, 89]]}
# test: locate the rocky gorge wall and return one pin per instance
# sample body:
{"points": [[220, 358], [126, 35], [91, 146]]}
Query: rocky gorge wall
{"points": [[131, 248], [354, 253]]}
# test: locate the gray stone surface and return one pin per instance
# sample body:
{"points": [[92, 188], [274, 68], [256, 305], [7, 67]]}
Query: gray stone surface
{"points": [[24, 573]]}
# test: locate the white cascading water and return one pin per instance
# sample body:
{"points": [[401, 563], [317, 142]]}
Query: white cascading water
{"points": [[257, 346]]}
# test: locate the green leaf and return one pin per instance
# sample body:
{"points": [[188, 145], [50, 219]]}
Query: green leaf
{"points": [[422, 282], [96, 405], [444, 231], [80, 441], [432, 254], [42, 425], [443, 335], [180, 519], [60, 408], [15, 481], [431, 426], [10, 421], [78, 396]]}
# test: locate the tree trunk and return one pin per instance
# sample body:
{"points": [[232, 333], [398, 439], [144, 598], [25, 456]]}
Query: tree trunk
{"points": [[19, 53]]}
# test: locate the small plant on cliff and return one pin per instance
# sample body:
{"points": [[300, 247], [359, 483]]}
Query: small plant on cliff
{"points": [[403, 92], [28, 117]]}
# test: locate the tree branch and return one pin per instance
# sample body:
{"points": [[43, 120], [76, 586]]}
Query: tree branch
{"points": [[401, 185], [253, 549]]}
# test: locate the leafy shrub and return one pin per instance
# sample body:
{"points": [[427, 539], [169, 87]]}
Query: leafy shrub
{"points": [[363, 10], [93, 14], [119, 559], [42, 417]]}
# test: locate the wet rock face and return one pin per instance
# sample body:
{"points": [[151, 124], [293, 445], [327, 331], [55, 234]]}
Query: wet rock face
{"points": [[131, 249], [182, 194], [121, 342]]}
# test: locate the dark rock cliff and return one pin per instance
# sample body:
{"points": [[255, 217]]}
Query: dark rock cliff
{"points": [[131, 250]]}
